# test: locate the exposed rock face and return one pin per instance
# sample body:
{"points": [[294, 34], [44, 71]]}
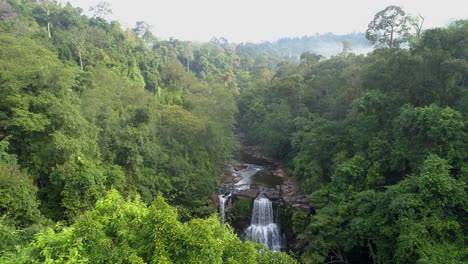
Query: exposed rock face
{"points": [[227, 177], [285, 190], [249, 193], [291, 193]]}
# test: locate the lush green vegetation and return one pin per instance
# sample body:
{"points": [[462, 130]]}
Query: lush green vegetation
{"points": [[380, 144], [128, 231], [85, 108], [93, 107], [98, 124]]}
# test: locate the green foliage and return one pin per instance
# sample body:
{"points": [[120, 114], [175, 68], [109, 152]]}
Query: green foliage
{"points": [[18, 201], [430, 129], [20, 217], [299, 221], [400, 224], [119, 230], [239, 213], [274, 130], [92, 107], [86, 107], [379, 143]]}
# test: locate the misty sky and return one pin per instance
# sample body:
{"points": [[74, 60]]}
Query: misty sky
{"points": [[259, 20]]}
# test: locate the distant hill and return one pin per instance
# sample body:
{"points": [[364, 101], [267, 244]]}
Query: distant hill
{"points": [[327, 45]]}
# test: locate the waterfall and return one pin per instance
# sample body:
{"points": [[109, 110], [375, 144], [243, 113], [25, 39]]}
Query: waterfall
{"points": [[223, 198], [262, 228]]}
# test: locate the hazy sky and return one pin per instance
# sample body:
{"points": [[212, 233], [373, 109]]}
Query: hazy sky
{"points": [[259, 20]]}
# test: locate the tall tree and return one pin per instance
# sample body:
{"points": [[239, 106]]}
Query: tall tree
{"points": [[347, 48], [388, 28], [143, 31], [102, 9], [417, 23], [6, 11]]}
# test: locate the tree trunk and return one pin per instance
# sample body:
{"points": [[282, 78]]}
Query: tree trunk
{"points": [[48, 29], [81, 60], [48, 22], [420, 26], [391, 38]]}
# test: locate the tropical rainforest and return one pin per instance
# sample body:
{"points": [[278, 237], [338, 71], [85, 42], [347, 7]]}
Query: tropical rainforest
{"points": [[111, 141]]}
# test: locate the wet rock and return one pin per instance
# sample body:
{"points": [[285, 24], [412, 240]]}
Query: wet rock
{"points": [[240, 167], [252, 154], [237, 178], [249, 193], [272, 194], [282, 188]]}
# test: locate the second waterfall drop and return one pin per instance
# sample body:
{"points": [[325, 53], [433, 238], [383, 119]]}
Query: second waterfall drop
{"points": [[262, 228], [223, 199]]}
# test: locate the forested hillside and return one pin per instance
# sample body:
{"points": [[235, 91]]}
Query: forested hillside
{"points": [[85, 108], [111, 142], [380, 142], [327, 45]]}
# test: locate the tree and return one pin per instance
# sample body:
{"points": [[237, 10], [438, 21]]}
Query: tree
{"points": [[430, 129], [388, 28], [102, 9], [7, 13], [417, 23], [189, 55], [143, 31], [18, 201], [77, 38], [347, 48], [45, 4], [310, 58]]}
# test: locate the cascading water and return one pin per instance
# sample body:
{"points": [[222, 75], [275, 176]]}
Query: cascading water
{"points": [[262, 229], [223, 198], [247, 173]]}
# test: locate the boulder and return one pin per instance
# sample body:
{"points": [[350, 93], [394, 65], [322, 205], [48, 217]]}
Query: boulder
{"points": [[249, 193]]}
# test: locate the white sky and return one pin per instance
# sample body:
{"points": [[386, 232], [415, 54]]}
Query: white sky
{"points": [[260, 20]]}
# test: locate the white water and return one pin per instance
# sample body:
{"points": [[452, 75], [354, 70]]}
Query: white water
{"points": [[223, 198], [247, 173], [262, 229]]}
